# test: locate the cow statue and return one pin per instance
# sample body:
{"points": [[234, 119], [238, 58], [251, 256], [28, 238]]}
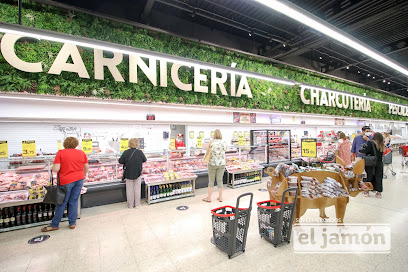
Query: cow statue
{"points": [[304, 203]]}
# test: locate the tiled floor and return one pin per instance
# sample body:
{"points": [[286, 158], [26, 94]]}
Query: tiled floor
{"points": [[160, 238]]}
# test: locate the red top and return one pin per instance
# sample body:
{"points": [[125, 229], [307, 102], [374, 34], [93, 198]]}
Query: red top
{"points": [[72, 165], [179, 143]]}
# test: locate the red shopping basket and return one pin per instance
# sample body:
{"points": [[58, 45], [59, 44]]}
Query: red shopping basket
{"points": [[275, 219]]}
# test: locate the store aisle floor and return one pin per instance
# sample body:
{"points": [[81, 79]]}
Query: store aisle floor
{"points": [[160, 238]]}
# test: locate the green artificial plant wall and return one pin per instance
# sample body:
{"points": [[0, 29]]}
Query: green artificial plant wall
{"points": [[266, 95]]}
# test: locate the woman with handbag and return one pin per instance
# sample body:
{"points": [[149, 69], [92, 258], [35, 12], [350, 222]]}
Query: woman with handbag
{"points": [[375, 148], [216, 164], [132, 160], [72, 166]]}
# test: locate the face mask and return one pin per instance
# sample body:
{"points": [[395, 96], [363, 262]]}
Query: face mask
{"points": [[367, 134]]}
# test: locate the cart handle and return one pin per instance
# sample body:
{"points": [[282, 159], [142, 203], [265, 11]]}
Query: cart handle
{"points": [[250, 202], [286, 191], [214, 211]]}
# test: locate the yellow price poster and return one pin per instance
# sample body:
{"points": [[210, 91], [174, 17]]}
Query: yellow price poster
{"points": [[123, 144], [87, 145], [246, 134], [240, 134], [191, 134], [212, 134], [235, 134], [241, 141], [199, 142], [59, 144], [29, 149], [201, 134], [309, 148], [172, 143], [3, 149]]}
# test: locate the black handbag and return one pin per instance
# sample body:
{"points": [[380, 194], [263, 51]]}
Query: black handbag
{"points": [[371, 160], [124, 166], [55, 193]]}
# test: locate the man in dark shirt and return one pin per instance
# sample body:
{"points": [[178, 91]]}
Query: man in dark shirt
{"points": [[358, 141]]}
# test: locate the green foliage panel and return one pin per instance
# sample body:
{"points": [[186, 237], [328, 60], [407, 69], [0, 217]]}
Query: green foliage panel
{"points": [[266, 95]]}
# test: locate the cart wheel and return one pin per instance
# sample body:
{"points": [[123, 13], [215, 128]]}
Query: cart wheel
{"points": [[243, 251], [274, 245], [229, 256], [394, 174], [288, 242], [384, 176]]}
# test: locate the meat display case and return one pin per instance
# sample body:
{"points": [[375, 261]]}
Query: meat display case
{"points": [[277, 141], [22, 182]]}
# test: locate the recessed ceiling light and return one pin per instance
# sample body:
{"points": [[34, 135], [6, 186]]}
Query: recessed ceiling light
{"points": [[368, 74], [306, 18], [384, 80], [358, 71], [320, 57], [389, 82], [284, 45], [373, 77], [348, 67]]}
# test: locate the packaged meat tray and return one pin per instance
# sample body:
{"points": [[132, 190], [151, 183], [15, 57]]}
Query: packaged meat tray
{"points": [[14, 196]]}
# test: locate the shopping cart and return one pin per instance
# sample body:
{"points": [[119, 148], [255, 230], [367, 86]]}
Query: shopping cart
{"points": [[329, 158], [387, 160], [230, 227], [404, 163], [275, 219]]}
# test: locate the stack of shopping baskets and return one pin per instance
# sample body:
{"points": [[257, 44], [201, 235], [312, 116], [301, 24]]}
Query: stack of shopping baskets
{"points": [[230, 224]]}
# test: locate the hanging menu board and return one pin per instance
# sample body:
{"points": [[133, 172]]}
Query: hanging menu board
{"points": [[3, 149], [59, 144], [124, 142], [29, 149], [309, 148], [87, 145]]}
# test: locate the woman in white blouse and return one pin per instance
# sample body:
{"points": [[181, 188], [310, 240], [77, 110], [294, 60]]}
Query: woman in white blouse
{"points": [[216, 166]]}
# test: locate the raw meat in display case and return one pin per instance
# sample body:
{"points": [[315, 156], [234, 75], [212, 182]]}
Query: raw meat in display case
{"points": [[14, 196], [154, 167], [191, 164], [103, 173]]}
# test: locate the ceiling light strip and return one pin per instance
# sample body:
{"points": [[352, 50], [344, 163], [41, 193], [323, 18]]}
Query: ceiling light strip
{"points": [[320, 25]]}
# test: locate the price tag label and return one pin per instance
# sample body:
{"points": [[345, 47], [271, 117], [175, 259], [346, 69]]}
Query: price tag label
{"points": [[123, 144], [241, 141], [235, 134], [309, 148], [199, 142], [201, 134], [87, 145], [191, 134], [29, 149], [240, 134], [172, 143], [59, 143], [246, 134], [212, 134], [3, 149]]}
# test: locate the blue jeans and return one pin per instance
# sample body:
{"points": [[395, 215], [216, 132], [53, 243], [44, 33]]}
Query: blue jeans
{"points": [[71, 198]]}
